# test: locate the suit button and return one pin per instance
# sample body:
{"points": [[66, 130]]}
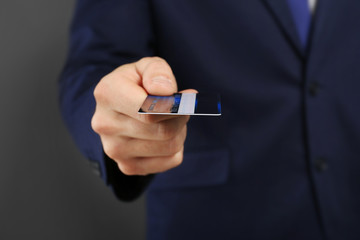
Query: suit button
{"points": [[313, 88], [321, 164]]}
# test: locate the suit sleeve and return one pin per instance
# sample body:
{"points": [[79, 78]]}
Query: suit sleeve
{"points": [[104, 35]]}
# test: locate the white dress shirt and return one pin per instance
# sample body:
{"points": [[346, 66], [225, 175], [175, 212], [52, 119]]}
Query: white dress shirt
{"points": [[312, 5]]}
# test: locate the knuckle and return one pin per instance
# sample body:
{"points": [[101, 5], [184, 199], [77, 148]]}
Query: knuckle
{"points": [[99, 125], [153, 59], [160, 66], [100, 92], [159, 59]]}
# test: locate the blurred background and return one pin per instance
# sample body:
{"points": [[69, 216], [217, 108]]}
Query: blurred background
{"points": [[47, 189]]}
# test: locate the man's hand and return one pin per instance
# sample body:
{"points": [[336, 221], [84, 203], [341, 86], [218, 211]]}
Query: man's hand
{"points": [[140, 144]]}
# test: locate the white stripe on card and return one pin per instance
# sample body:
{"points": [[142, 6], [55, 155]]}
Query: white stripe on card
{"points": [[187, 103]]}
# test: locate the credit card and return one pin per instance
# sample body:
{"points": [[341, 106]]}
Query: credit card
{"points": [[203, 104]]}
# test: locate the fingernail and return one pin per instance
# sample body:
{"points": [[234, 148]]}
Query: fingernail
{"points": [[160, 80]]}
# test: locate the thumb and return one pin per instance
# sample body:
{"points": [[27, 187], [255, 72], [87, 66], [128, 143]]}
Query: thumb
{"points": [[189, 91], [157, 76]]}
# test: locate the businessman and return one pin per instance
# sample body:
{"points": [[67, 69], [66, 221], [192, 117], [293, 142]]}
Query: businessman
{"points": [[283, 160]]}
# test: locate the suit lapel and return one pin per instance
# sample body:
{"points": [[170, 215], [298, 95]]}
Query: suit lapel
{"points": [[332, 21], [280, 11], [331, 15]]}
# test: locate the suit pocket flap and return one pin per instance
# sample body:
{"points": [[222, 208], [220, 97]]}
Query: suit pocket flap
{"points": [[205, 168]]}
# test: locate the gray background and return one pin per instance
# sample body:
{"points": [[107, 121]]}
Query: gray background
{"points": [[47, 188]]}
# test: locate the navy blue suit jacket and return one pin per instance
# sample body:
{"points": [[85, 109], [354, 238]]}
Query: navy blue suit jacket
{"points": [[283, 160]]}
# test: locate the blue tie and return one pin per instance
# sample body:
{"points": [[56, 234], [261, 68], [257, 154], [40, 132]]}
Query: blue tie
{"points": [[302, 18]]}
